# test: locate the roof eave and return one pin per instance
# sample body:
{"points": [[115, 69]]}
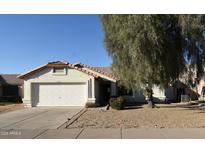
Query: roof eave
{"points": [[23, 76]]}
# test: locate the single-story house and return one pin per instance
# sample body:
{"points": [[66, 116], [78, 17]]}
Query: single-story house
{"points": [[10, 87], [64, 84]]}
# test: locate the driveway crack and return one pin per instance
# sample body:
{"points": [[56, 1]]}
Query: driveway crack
{"points": [[40, 134], [4, 127], [75, 117], [79, 133]]}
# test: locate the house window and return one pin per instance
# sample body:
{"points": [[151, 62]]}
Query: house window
{"points": [[59, 71], [124, 91], [90, 88]]}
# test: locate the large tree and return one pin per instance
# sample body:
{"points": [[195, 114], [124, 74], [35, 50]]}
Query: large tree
{"points": [[152, 50]]}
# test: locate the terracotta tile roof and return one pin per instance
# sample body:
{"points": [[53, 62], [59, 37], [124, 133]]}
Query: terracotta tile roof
{"points": [[93, 71], [102, 70], [84, 71], [10, 79], [57, 64], [107, 69]]}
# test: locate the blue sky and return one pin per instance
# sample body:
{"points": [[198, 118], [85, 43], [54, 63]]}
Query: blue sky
{"points": [[27, 41]]}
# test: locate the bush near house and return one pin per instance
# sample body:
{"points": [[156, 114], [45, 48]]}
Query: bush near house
{"points": [[201, 101], [117, 103]]}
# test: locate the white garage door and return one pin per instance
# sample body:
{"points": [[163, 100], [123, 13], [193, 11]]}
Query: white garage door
{"points": [[59, 94]]}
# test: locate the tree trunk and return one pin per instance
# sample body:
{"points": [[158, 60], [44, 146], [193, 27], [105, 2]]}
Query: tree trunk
{"points": [[150, 103], [150, 98]]}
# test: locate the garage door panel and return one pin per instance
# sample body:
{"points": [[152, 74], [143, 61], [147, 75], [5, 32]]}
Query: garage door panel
{"points": [[59, 94]]}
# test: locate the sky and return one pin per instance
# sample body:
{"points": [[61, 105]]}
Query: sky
{"points": [[29, 41]]}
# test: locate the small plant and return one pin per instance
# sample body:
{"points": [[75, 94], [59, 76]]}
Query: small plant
{"points": [[15, 99], [117, 103], [18, 99], [90, 105], [201, 101]]}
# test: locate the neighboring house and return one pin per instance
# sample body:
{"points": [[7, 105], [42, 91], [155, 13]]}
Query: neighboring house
{"points": [[64, 84], [200, 88], [10, 87]]}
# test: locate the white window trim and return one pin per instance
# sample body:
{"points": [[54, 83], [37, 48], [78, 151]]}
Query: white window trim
{"points": [[62, 73]]}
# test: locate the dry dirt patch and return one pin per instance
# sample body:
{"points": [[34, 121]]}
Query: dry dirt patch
{"points": [[163, 117], [6, 107]]}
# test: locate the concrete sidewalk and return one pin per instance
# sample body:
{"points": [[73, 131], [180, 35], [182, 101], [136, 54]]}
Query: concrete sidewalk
{"points": [[105, 133]]}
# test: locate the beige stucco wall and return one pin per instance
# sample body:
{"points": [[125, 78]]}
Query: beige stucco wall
{"points": [[159, 95], [200, 86], [47, 76]]}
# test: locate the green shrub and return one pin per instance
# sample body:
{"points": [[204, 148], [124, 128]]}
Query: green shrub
{"points": [[18, 99], [201, 101], [117, 103]]}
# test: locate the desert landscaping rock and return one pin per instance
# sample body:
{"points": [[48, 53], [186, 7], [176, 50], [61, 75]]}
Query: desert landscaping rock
{"points": [[167, 116], [133, 133], [10, 107]]}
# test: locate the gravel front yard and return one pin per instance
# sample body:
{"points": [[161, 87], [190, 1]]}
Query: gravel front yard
{"points": [[6, 107], [167, 116]]}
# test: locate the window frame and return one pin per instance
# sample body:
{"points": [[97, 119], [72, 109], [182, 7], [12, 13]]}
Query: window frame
{"points": [[64, 72]]}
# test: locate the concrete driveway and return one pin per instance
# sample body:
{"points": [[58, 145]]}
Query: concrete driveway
{"points": [[37, 118]]}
